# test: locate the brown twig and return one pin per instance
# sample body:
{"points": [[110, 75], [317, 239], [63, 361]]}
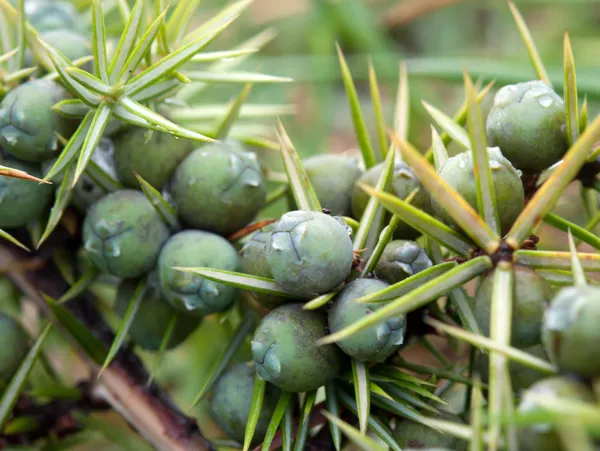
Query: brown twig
{"points": [[250, 228], [123, 384]]}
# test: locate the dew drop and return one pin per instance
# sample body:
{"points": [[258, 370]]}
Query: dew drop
{"points": [[545, 101]]}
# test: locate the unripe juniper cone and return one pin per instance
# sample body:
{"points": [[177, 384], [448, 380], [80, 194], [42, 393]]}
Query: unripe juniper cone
{"points": [[543, 436], [458, 172], [400, 260], [404, 182], [310, 253], [570, 327], [527, 122], [153, 315], [285, 351], [254, 261], [231, 399], [23, 201], [376, 343], [124, 234], [191, 294], [28, 125], [531, 297], [151, 154], [333, 178], [229, 182]]}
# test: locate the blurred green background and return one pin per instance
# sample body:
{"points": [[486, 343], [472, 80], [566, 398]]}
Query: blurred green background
{"points": [[436, 38]]}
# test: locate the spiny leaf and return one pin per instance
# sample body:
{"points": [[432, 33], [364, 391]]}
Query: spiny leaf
{"points": [[234, 77], [224, 359], [134, 57], [570, 89], [300, 185], [102, 178], [7, 236], [8, 55], [80, 285], [60, 63], [173, 61], [278, 413], [531, 48], [319, 301], [440, 373], [6, 171], [163, 208], [440, 154], [227, 14], [304, 427], [379, 119], [97, 126], [385, 237], [127, 41], [208, 57], [500, 328], [132, 308], [362, 393], [546, 196], [147, 115], [166, 339], [457, 133], [21, 35], [372, 218], [397, 375], [360, 440], [99, 41], [71, 108], [224, 126], [89, 81], [13, 390], [576, 268], [212, 111], [360, 128], [156, 91], [61, 202], [190, 91], [486, 192], [583, 117], [18, 75], [460, 118], [124, 10], [374, 423], [32, 35], [180, 19], [449, 198], [287, 428], [482, 342], [564, 225], [421, 221], [556, 260], [476, 415], [402, 111], [71, 150], [407, 285], [239, 280], [331, 398], [92, 346], [255, 408], [416, 298]]}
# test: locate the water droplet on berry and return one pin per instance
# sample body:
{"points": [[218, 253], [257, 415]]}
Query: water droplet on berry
{"points": [[545, 101]]}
